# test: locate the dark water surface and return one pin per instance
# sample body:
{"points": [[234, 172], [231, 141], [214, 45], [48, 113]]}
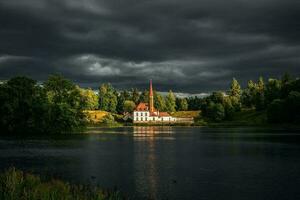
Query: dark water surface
{"points": [[168, 162]]}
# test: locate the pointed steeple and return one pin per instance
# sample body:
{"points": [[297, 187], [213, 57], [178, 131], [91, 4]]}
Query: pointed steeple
{"points": [[151, 104], [150, 90]]}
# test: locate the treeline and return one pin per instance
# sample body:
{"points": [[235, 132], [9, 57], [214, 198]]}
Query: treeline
{"points": [[279, 98], [57, 105], [125, 101]]}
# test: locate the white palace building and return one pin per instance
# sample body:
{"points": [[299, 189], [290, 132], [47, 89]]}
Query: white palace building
{"points": [[146, 113]]}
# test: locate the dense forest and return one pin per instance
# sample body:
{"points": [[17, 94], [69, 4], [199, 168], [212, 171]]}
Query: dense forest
{"points": [[57, 105], [279, 98]]}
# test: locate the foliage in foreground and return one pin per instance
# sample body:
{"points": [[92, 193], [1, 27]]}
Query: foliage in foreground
{"points": [[17, 185]]}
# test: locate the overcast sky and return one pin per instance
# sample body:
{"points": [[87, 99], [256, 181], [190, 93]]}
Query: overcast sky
{"points": [[191, 46]]}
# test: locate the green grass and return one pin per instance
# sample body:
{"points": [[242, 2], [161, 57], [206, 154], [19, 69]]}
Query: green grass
{"points": [[17, 185], [95, 116], [250, 117], [246, 117], [185, 113]]}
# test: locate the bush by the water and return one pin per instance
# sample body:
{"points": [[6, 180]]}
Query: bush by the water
{"points": [[17, 185], [285, 110], [109, 120]]}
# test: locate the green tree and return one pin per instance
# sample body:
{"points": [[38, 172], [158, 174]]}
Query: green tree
{"points": [[126, 94], [144, 97], [107, 98], [120, 102], [228, 108], [248, 95], [286, 78], [159, 101], [288, 87], [135, 95], [259, 99], [129, 106], [276, 111], [91, 99], [181, 104], [196, 103], [109, 120], [170, 102], [236, 103], [293, 106], [65, 105], [235, 95], [273, 90], [235, 89], [217, 97], [23, 106], [215, 112]]}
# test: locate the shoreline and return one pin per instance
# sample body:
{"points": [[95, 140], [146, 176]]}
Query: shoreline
{"points": [[88, 129]]}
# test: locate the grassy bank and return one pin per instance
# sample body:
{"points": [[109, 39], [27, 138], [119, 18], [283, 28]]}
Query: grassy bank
{"points": [[187, 114], [17, 185], [246, 117], [242, 118]]}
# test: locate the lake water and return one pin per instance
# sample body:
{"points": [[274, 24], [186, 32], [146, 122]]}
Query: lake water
{"points": [[168, 162]]}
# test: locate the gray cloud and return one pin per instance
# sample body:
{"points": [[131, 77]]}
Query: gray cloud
{"points": [[189, 46]]}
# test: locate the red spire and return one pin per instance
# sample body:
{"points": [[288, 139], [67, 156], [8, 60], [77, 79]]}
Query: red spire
{"points": [[150, 91], [151, 104]]}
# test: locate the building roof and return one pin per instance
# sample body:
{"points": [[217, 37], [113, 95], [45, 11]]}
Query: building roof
{"points": [[164, 114], [142, 107], [159, 114]]}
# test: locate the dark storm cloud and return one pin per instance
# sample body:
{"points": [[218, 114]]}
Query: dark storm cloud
{"points": [[188, 46]]}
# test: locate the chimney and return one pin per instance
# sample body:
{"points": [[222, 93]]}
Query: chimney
{"points": [[151, 105]]}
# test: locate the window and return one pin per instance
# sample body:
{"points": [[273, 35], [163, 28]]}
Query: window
{"points": [[141, 114]]}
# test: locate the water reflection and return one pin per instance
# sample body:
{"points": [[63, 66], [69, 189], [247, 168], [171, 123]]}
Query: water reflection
{"points": [[152, 131], [149, 154], [146, 171]]}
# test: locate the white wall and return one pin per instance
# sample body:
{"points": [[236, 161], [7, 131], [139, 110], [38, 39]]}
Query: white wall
{"points": [[140, 116], [144, 116]]}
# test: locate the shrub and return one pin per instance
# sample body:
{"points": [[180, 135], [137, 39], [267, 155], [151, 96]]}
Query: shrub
{"points": [[109, 120], [293, 106], [15, 184], [215, 112], [275, 111]]}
